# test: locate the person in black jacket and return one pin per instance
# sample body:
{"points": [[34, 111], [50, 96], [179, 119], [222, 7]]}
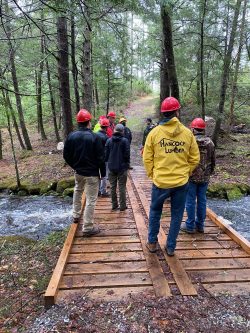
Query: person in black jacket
{"points": [[117, 154], [127, 132], [102, 133], [83, 152]]}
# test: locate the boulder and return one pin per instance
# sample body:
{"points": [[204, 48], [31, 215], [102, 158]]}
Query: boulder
{"points": [[65, 183]]}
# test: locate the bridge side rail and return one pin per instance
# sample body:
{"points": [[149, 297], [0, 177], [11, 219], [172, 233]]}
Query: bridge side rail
{"points": [[52, 289], [240, 240]]}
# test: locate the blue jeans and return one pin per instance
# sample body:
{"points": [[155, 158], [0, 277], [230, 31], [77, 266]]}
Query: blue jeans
{"points": [[196, 212], [178, 198]]}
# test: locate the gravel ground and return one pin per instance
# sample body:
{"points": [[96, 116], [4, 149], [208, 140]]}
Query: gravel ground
{"points": [[144, 314]]}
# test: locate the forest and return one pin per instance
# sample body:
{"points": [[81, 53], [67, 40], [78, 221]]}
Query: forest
{"points": [[126, 56], [59, 56]]}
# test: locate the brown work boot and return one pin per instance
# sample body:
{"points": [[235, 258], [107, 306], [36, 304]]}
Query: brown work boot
{"points": [[92, 232], [76, 219], [152, 247]]}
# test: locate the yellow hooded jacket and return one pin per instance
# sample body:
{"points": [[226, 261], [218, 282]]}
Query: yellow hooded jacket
{"points": [[170, 154]]}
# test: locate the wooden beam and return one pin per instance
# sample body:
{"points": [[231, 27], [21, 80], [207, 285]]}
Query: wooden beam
{"points": [[159, 281], [52, 290], [181, 277], [243, 242]]}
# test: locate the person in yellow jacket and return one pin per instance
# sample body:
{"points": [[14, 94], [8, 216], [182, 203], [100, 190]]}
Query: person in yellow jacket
{"points": [[170, 155]]}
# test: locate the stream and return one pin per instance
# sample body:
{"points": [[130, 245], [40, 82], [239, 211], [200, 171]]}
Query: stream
{"points": [[236, 213], [37, 216], [34, 216]]}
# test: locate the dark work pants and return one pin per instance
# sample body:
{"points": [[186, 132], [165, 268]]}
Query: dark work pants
{"points": [[121, 179]]}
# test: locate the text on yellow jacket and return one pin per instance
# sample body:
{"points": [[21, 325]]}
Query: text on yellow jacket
{"points": [[170, 154]]}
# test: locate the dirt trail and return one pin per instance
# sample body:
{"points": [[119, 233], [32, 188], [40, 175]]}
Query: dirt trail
{"points": [[136, 114]]}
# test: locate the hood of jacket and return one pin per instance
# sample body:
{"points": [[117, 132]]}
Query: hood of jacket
{"points": [[116, 137], [172, 127]]}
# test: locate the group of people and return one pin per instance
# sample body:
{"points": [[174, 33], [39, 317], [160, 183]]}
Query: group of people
{"points": [[179, 161], [94, 156]]}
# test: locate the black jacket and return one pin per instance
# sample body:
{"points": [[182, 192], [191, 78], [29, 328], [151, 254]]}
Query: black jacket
{"points": [[127, 134], [102, 134], [117, 153], [84, 152]]}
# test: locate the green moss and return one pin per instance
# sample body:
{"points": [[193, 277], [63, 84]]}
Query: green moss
{"points": [[65, 183], [233, 193], [22, 193], [8, 183], [68, 192], [228, 191], [216, 191], [244, 188]]}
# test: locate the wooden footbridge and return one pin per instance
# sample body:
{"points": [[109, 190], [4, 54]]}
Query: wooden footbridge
{"points": [[116, 263]]}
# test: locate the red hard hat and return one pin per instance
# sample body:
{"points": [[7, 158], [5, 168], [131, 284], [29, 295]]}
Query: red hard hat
{"points": [[170, 104], [198, 123], [102, 117], [83, 115], [111, 114], [104, 122]]}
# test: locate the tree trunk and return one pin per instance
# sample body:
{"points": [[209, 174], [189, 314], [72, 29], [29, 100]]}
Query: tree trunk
{"points": [[87, 63], [168, 44], [226, 67], [63, 72], [202, 60], [164, 81], [108, 89], [198, 80], [7, 102], [12, 113], [52, 103], [39, 94], [15, 83], [237, 65], [73, 62], [13, 150], [132, 53], [97, 96]]}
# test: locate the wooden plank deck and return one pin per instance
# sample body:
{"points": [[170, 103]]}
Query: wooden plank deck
{"points": [[116, 263]]}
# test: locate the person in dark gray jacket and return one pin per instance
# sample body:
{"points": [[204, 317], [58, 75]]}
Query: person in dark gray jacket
{"points": [[117, 154]]}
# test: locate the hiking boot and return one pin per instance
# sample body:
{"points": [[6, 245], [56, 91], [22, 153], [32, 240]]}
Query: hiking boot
{"points": [[200, 230], [123, 208], [152, 247], [185, 229], [115, 208], [76, 219], [105, 195], [130, 168], [170, 252], [92, 232]]}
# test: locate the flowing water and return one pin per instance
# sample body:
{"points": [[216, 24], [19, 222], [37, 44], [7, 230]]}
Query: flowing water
{"points": [[34, 216], [236, 213], [37, 216]]}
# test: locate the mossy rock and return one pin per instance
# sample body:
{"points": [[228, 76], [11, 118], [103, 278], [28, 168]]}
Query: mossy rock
{"points": [[217, 191], [68, 192], [9, 183], [228, 191], [65, 183], [47, 186], [233, 192], [244, 188], [22, 193], [40, 188]]}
